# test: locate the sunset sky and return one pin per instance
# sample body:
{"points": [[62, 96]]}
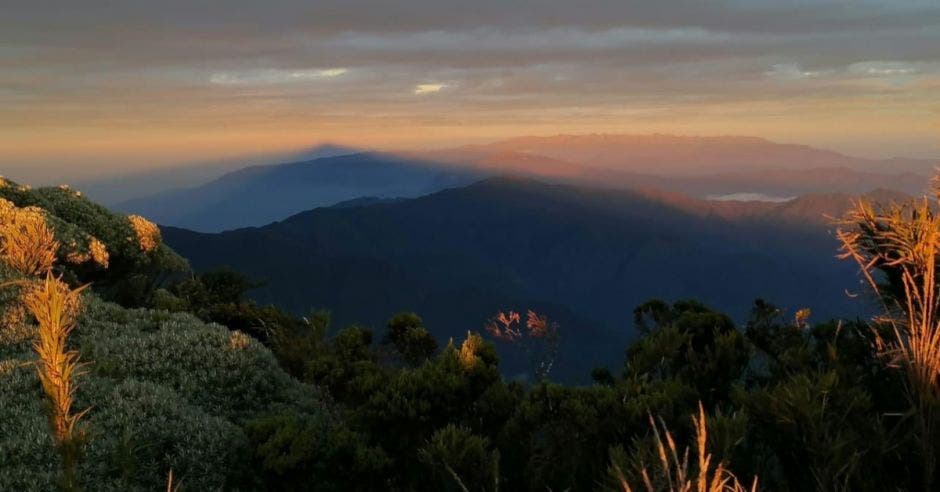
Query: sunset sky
{"points": [[93, 86]]}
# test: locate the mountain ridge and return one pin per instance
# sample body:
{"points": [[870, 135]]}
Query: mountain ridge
{"points": [[459, 255], [257, 195]]}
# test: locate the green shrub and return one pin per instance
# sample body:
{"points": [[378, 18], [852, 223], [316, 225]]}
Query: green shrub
{"points": [[458, 460], [28, 458], [138, 431], [294, 451], [208, 365]]}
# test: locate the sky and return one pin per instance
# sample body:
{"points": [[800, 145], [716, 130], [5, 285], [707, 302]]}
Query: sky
{"points": [[98, 87]]}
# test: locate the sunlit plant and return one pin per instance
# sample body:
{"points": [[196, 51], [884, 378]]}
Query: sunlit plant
{"points": [[27, 243], [896, 248], [538, 337], [674, 473]]}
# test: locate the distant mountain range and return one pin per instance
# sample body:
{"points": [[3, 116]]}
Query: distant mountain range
{"points": [[672, 155], [585, 256], [259, 195], [701, 167], [119, 188]]}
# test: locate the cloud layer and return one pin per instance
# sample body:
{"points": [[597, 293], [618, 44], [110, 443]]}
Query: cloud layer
{"points": [[181, 78]]}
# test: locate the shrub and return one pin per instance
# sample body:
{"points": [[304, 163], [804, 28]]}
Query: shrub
{"points": [[27, 244], [457, 459], [299, 451], [196, 360], [140, 430], [27, 451]]}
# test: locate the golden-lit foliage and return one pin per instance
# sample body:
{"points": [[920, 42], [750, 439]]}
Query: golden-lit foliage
{"points": [[537, 324], [902, 243], [27, 243], [97, 253], [539, 338], [801, 318], [505, 326], [468, 351], [237, 340], [56, 307], [674, 469], [148, 234]]}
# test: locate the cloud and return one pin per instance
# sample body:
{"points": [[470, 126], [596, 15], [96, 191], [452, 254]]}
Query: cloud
{"points": [[428, 88], [792, 71], [90, 69], [273, 76], [883, 68]]}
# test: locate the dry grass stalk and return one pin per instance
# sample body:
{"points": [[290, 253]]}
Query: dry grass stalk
{"points": [[903, 242], [27, 243], [56, 306], [172, 486], [674, 468]]}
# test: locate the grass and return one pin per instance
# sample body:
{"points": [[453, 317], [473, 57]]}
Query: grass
{"points": [[56, 307], [675, 471], [902, 242]]}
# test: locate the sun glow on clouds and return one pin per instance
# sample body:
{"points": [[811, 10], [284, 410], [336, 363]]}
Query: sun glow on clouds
{"points": [[273, 76], [428, 88]]}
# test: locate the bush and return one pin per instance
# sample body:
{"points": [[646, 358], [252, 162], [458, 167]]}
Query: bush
{"points": [[296, 451], [139, 431], [207, 365], [457, 460]]}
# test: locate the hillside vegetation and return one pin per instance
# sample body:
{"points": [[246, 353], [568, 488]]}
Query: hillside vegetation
{"points": [[106, 391], [159, 391], [586, 255]]}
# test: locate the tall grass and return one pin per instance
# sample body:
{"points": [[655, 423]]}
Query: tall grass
{"points": [[28, 245], [56, 306], [675, 472], [902, 242]]}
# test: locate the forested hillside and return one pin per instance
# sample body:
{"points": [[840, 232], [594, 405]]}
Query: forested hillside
{"points": [[586, 256], [189, 385]]}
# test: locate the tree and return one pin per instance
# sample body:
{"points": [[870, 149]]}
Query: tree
{"points": [[406, 332]]}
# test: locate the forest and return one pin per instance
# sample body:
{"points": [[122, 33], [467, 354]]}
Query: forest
{"points": [[122, 369]]}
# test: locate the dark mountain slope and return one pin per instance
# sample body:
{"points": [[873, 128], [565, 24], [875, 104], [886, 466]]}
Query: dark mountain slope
{"points": [[261, 194], [585, 256]]}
